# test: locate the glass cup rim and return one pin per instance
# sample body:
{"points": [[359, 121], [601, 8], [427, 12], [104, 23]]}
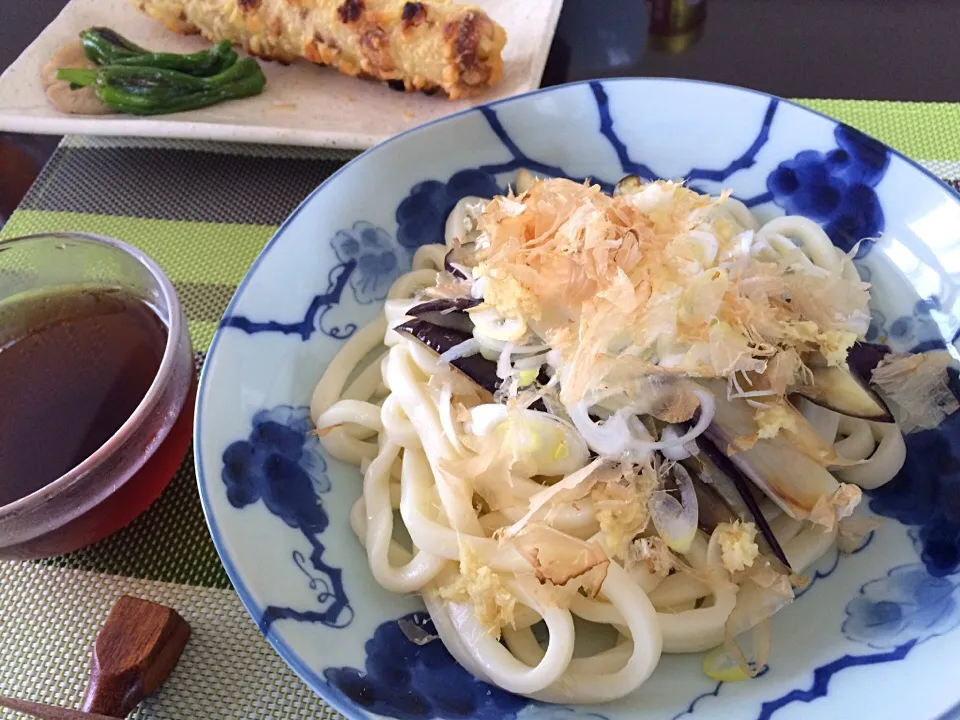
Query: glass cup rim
{"points": [[139, 414]]}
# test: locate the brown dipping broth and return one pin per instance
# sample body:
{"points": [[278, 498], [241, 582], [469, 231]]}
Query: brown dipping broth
{"points": [[74, 365]]}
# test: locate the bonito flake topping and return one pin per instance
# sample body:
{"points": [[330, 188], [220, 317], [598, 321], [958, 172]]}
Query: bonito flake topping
{"points": [[661, 280]]}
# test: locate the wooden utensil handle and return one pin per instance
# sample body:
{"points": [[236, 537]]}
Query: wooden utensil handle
{"points": [[135, 651], [47, 712]]}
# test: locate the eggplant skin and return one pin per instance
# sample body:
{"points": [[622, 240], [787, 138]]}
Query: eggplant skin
{"points": [[863, 358], [723, 464], [423, 45], [842, 391], [440, 339], [431, 309], [448, 261]]}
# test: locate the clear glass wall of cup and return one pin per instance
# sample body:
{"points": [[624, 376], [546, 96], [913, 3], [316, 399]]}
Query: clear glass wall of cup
{"points": [[121, 477]]}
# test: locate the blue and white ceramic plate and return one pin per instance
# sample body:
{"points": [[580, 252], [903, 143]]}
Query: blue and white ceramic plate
{"points": [[875, 635]]}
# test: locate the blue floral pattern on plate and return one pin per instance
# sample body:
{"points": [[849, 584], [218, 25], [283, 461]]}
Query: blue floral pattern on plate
{"points": [[373, 252], [280, 464], [909, 604], [369, 263], [835, 188], [312, 320], [918, 330], [422, 215], [925, 494], [407, 681]]}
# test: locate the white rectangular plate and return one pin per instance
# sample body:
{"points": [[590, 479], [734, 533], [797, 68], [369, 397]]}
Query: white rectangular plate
{"points": [[303, 104]]}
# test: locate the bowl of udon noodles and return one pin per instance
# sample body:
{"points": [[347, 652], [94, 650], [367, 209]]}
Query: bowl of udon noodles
{"points": [[621, 399]]}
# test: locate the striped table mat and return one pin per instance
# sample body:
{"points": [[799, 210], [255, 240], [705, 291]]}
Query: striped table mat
{"points": [[204, 211]]}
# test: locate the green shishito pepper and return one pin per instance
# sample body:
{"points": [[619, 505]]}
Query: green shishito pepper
{"points": [[155, 91], [103, 46]]}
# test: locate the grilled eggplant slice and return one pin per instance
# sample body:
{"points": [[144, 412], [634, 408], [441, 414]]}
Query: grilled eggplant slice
{"points": [[863, 358], [477, 368], [447, 313], [727, 468], [441, 339], [840, 390]]}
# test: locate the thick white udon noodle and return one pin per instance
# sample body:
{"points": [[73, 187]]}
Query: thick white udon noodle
{"points": [[392, 425]]}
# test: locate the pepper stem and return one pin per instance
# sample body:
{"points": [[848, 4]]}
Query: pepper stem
{"points": [[78, 76]]}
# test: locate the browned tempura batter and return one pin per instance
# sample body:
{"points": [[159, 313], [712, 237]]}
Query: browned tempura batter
{"points": [[426, 45]]}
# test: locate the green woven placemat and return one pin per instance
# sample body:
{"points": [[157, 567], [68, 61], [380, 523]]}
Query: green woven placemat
{"points": [[204, 211]]}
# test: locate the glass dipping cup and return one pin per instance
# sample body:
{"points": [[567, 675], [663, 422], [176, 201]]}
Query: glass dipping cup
{"points": [[128, 472]]}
